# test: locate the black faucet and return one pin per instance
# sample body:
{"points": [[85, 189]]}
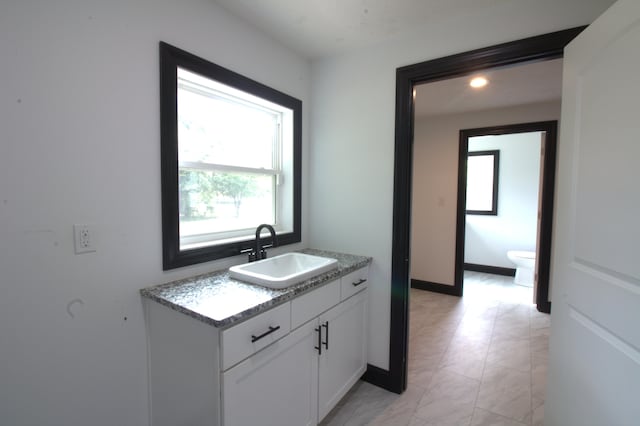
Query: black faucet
{"points": [[260, 253]]}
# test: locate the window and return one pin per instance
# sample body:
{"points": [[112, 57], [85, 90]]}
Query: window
{"points": [[230, 160], [482, 182]]}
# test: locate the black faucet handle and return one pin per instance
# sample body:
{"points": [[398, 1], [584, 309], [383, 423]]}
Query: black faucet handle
{"points": [[251, 253]]}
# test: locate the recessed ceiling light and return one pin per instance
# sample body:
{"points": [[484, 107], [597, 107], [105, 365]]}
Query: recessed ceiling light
{"points": [[478, 82]]}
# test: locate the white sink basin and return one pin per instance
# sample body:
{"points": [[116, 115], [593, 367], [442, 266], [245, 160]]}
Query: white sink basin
{"points": [[282, 271]]}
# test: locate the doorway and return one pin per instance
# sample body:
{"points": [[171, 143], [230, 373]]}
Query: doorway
{"points": [[548, 46], [526, 93], [544, 202]]}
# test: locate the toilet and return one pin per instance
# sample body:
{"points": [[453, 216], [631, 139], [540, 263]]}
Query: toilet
{"points": [[525, 262]]}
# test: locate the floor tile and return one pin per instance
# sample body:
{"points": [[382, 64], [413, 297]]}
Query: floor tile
{"points": [[540, 346], [400, 412], [537, 414], [539, 378], [476, 360], [486, 418], [505, 391], [420, 371], [360, 406], [510, 352], [449, 400], [468, 361]]}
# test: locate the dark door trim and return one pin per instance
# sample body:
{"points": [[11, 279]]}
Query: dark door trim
{"points": [[544, 47], [547, 187]]}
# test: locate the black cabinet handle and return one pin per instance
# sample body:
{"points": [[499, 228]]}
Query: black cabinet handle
{"points": [[319, 347], [326, 334], [266, 333], [362, 280]]}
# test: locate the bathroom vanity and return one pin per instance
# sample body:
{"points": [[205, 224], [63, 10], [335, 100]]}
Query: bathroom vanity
{"points": [[225, 352]]}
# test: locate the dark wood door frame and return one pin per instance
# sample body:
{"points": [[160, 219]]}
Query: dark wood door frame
{"points": [[544, 47], [546, 201]]}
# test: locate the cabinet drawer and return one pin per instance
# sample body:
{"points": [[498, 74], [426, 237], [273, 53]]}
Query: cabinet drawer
{"points": [[354, 282], [246, 338], [314, 303]]}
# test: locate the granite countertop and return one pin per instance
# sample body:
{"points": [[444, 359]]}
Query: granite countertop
{"points": [[221, 301]]}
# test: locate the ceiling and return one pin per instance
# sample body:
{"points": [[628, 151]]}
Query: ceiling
{"points": [[516, 85], [318, 28], [322, 28]]}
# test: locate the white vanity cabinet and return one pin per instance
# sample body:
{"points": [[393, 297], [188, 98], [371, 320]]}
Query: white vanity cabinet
{"points": [[287, 366], [300, 378]]}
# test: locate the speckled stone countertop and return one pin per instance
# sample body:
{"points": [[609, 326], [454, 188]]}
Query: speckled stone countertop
{"points": [[221, 301]]}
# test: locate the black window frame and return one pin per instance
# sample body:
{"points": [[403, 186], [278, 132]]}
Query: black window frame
{"points": [[495, 153], [170, 59]]}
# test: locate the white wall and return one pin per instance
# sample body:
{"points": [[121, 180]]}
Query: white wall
{"points": [[352, 133], [79, 114], [435, 183], [488, 238]]}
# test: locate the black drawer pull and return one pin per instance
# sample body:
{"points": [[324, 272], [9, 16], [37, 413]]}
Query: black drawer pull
{"points": [[319, 347], [362, 280], [326, 334], [266, 333]]}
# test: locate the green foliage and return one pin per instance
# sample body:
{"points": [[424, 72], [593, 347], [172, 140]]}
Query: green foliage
{"points": [[207, 186], [235, 187]]}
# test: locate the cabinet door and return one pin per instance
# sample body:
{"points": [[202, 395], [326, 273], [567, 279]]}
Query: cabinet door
{"points": [[277, 386], [344, 350]]}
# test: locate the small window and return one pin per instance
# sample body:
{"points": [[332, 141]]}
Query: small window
{"points": [[482, 182], [230, 160]]}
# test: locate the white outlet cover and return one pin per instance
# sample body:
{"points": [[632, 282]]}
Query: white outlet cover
{"points": [[84, 238]]}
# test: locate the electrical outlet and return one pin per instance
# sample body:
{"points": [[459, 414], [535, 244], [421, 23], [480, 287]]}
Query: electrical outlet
{"points": [[84, 239]]}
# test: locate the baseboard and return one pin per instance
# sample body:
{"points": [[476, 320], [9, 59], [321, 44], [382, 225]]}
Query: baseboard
{"points": [[544, 307], [496, 270], [435, 287], [380, 377]]}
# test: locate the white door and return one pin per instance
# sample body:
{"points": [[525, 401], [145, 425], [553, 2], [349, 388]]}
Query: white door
{"points": [[594, 376]]}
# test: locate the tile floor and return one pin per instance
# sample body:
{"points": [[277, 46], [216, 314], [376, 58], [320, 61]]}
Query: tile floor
{"points": [[476, 360]]}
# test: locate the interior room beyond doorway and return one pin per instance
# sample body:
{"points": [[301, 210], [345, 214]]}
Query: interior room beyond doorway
{"points": [[520, 94]]}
